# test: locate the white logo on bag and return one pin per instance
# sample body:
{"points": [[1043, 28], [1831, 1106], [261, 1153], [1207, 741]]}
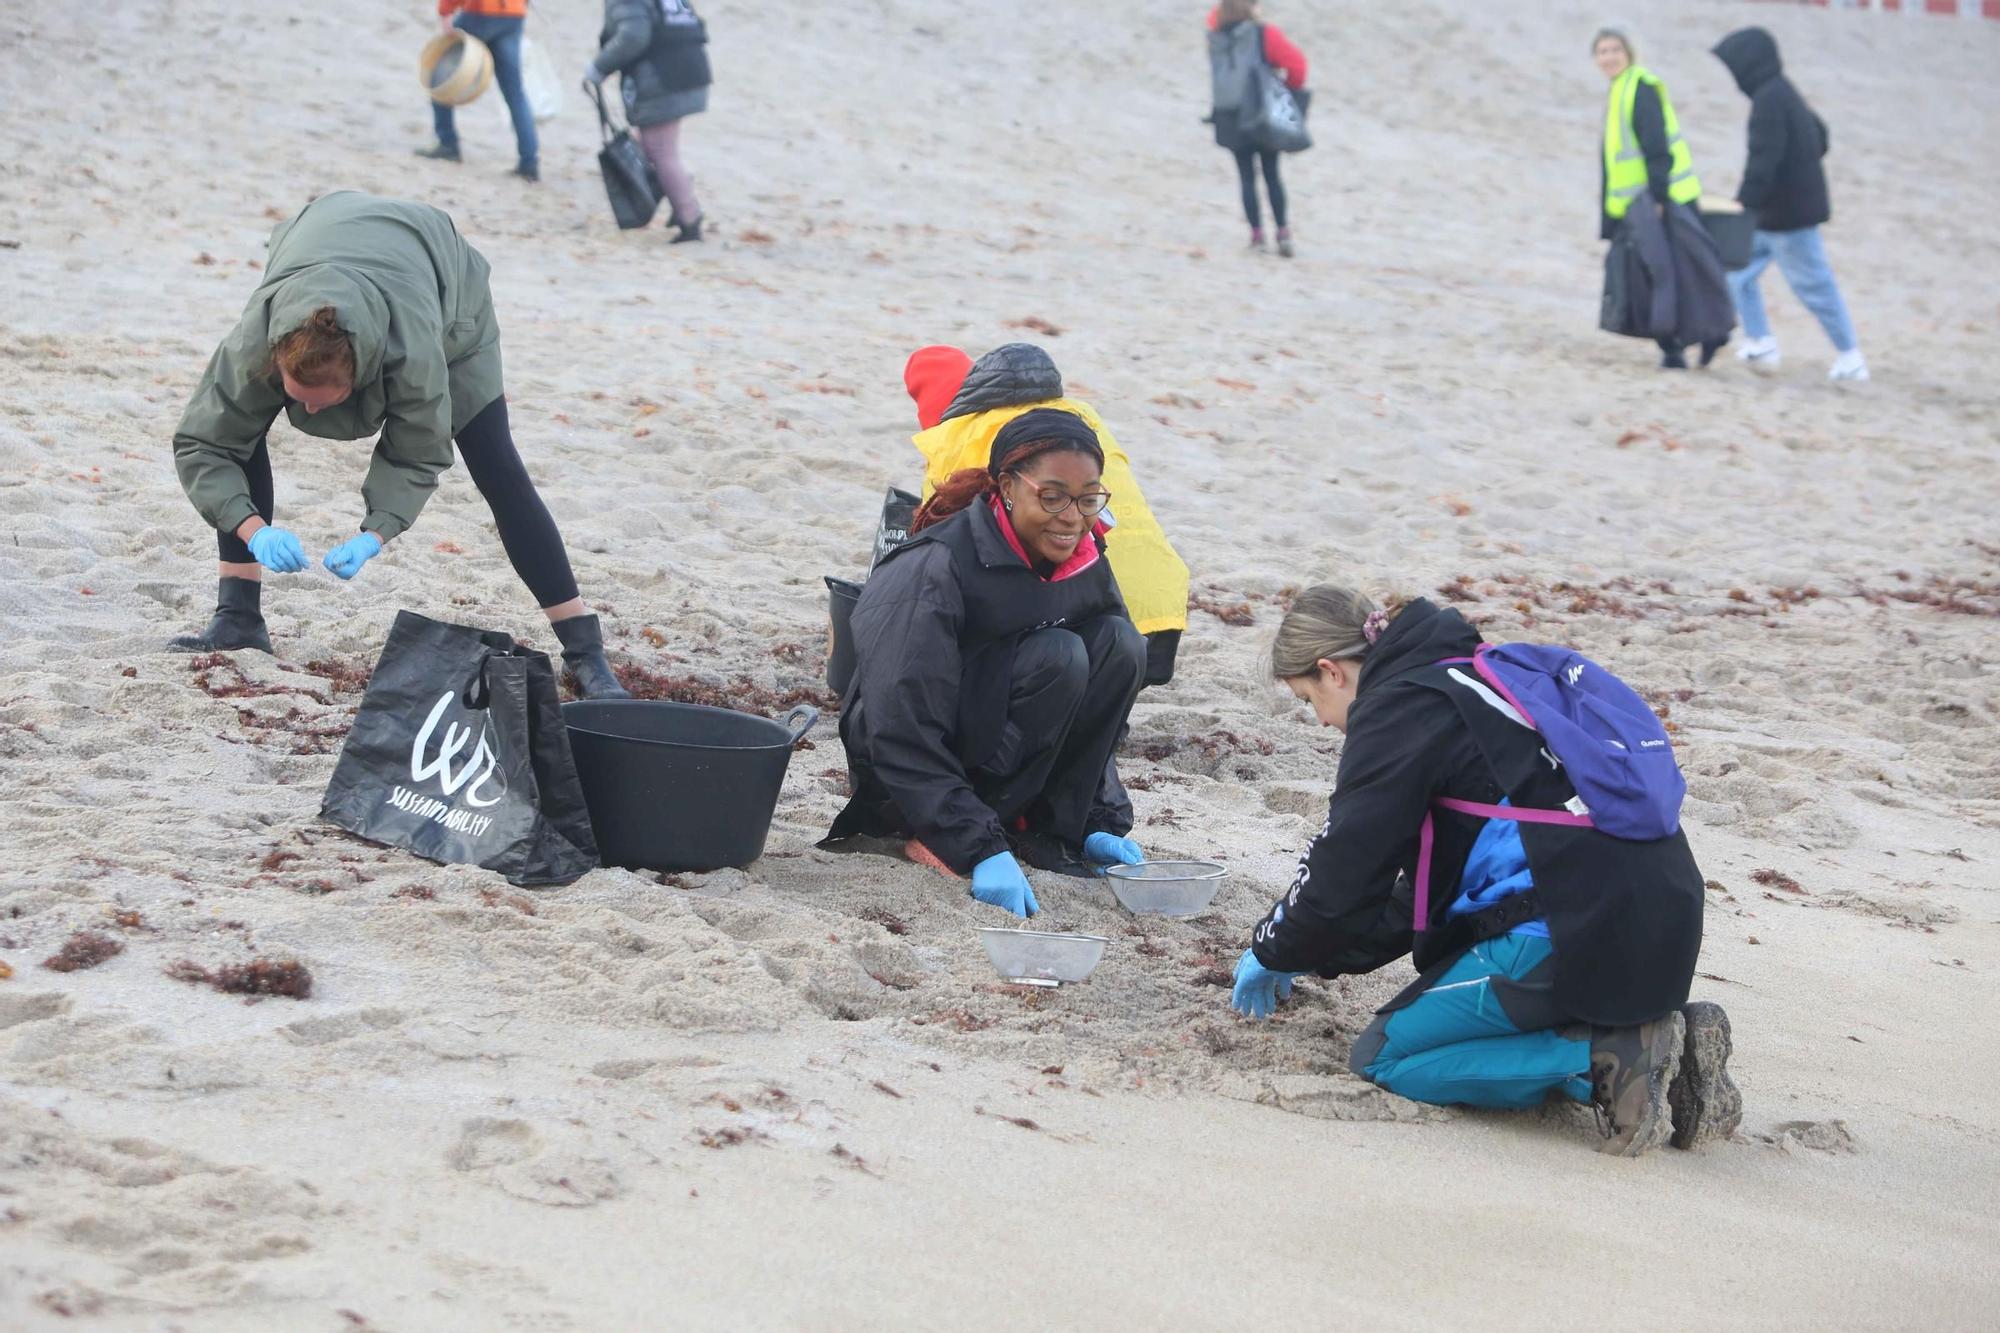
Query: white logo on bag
{"points": [[478, 769]]}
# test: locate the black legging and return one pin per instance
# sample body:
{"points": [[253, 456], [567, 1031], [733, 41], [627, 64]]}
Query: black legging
{"points": [[527, 531], [1246, 172]]}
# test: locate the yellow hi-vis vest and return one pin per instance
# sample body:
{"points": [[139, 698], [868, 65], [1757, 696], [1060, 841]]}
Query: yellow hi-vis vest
{"points": [[1150, 574], [1625, 161]]}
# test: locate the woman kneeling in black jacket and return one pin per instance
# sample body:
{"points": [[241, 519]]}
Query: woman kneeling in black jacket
{"points": [[1555, 958], [995, 669]]}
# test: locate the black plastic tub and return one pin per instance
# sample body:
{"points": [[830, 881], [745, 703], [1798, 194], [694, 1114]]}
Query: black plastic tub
{"points": [[841, 596], [1733, 232], [679, 786]]}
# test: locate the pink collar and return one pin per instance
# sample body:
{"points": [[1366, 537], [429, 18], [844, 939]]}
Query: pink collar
{"points": [[1082, 558]]}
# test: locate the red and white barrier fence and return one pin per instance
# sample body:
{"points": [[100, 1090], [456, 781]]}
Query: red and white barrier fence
{"points": [[1954, 8]]}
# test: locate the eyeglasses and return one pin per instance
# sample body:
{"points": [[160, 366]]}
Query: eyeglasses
{"points": [[1054, 500]]}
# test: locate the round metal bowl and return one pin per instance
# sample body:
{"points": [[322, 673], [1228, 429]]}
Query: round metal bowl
{"points": [[1166, 888], [1042, 958]]}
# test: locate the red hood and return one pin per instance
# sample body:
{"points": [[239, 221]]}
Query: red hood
{"points": [[932, 375]]}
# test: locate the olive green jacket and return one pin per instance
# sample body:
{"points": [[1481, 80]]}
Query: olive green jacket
{"points": [[413, 298]]}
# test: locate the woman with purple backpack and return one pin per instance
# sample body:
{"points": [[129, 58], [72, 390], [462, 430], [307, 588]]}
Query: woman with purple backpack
{"points": [[1555, 939]]}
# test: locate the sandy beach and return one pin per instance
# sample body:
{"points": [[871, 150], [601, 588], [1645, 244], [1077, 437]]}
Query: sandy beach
{"points": [[795, 1096]]}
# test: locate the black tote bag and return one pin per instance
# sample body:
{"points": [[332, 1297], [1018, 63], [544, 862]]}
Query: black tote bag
{"points": [[459, 754], [628, 173]]}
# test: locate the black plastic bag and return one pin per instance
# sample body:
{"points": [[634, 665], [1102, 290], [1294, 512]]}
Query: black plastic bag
{"points": [[1274, 116], [628, 173], [459, 754], [893, 529]]}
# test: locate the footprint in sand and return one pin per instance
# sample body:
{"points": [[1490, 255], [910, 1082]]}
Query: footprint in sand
{"points": [[513, 1156]]}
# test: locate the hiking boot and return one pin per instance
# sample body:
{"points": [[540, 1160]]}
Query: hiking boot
{"points": [[437, 152], [1849, 365], [583, 656], [1285, 242], [1705, 1102], [1045, 851], [238, 622], [529, 172], [1673, 361], [685, 232], [1760, 353], [1630, 1071]]}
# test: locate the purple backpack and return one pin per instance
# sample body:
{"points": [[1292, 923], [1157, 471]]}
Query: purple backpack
{"points": [[1610, 744], [1612, 747]]}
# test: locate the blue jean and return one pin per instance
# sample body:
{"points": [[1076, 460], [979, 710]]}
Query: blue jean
{"points": [[1801, 257], [1483, 1034], [503, 39]]}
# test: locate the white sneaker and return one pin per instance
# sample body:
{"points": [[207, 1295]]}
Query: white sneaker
{"points": [[1760, 353], [1849, 365]]}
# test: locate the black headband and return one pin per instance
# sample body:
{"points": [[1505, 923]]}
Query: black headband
{"points": [[1043, 423]]}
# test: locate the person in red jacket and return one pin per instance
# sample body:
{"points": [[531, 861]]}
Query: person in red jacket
{"points": [[1237, 41], [497, 23]]}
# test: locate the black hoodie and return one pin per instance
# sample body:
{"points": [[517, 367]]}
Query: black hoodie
{"points": [[1624, 917], [1783, 181]]}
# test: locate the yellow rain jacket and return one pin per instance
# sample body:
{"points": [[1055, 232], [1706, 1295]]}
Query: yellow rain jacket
{"points": [[1150, 573]]}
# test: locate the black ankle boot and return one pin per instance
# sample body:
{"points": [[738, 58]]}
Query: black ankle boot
{"points": [[583, 655], [238, 623], [685, 231]]}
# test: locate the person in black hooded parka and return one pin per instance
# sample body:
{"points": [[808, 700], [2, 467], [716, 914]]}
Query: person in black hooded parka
{"points": [[1555, 959], [995, 668], [1784, 185]]}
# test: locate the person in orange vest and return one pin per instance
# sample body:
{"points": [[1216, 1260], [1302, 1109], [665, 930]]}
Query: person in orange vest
{"points": [[498, 24]]}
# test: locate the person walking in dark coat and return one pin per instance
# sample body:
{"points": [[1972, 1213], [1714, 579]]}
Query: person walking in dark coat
{"points": [[1237, 42], [659, 50], [1555, 961], [995, 669], [1784, 185]]}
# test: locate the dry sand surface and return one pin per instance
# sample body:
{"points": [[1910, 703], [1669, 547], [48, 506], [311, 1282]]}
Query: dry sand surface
{"points": [[793, 1096]]}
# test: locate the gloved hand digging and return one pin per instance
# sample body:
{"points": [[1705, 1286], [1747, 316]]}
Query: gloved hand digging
{"points": [[277, 550], [1258, 988], [347, 558], [1108, 849], [998, 881]]}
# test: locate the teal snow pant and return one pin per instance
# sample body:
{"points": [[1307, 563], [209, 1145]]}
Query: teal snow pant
{"points": [[1485, 1033]]}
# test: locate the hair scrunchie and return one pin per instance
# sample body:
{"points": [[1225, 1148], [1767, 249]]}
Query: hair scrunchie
{"points": [[1372, 627]]}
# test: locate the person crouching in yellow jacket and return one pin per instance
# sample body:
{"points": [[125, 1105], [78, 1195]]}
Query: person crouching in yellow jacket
{"points": [[962, 404]]}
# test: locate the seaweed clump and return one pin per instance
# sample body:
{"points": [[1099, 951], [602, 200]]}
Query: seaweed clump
{"points": [[84, 949], [259, 976]]}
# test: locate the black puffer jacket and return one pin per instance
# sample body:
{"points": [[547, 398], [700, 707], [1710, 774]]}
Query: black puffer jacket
{"points": [[1624, 917], [659, 50], [1783, 181], [928, 697], [1008, 376]]}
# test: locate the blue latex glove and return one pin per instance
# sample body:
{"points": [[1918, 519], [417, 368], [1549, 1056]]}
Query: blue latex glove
{"points": [[1258, 988], [347, 558], [998, 881], [277, 550], [1108, 849]]}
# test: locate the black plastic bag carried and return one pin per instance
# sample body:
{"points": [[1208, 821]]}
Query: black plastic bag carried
{"points": [[893, 529], [459, 754], [628, 173]]}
